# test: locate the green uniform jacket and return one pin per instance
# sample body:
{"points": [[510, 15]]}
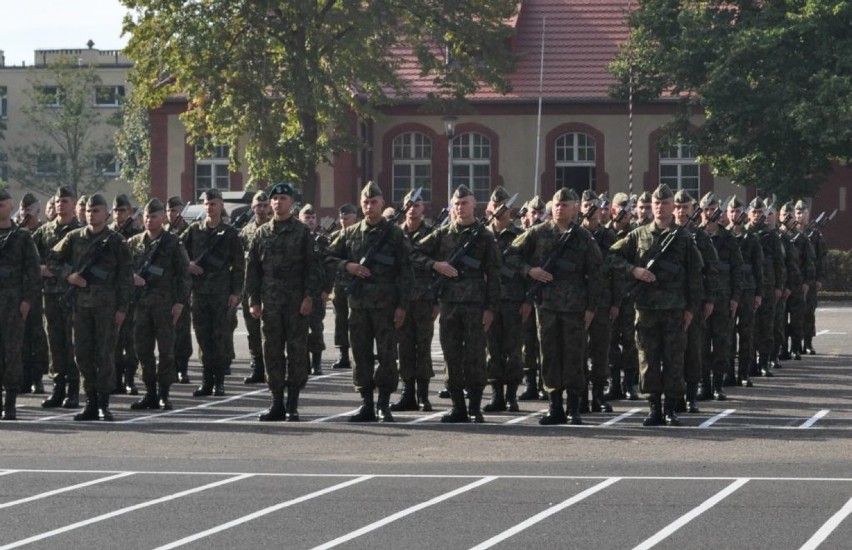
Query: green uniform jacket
{"points": [[168, 278], [513, 284], [807, 256], [614, 279], [773, 256], [820, 252], [730, 264], [45, 238], [792, 262], [710, 273], [223, 263], [423, 276], [752, 254], [19, 266]]}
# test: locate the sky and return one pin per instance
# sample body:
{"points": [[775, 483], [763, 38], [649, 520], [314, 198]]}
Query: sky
{"points": [[29, 25]]}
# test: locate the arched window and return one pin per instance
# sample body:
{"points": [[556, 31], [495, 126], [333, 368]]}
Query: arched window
{"points": [[412, 165], [575, 161], [471, 164], [679, 169]]}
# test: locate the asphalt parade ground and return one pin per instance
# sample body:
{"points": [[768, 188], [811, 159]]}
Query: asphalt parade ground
{"points": [[768, 468]]}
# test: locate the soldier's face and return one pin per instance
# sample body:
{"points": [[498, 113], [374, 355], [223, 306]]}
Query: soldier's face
{"points": [[213, 207], [586, 206], [96, 216], [643, 210], [564, 211], [121, 214], [681, 211], [664, 208], [173, 213], [707, 212], [415, 213], [348, 219], [81, 212], [771, 217], [803, 217], [50, 210], [261, 210], [309, 219], [463, 208], [372, 207], [154, 221], [282, 205], [755, 214], [734, 214]]}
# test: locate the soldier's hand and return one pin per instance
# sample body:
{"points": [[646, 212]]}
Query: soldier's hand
{"points": [[708, 310], [256, 311], [45, 272], [307, 306], [587, 319], [758, 301], [540, 275], [398, 318], [119, 318], [324, 297], [358, 270], [76, 280], [487, 319], [177, 309], [195, 269], [613, 313], [233, 301], [25, 310], [787, 293], [734, 306], [805, 289], [445, 269], [818, 286], [526, 311], [436, 309], [778, 294], [138, 281], [687, 319], [644, 275]]}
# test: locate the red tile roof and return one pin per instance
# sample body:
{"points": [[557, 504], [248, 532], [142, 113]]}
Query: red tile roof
{"points": [[581, 38]]}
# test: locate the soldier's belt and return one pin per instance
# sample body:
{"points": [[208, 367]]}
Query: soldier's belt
{"points": [[98, 273], [470, 262], [384, 259], [507, 272], [154, 271]]}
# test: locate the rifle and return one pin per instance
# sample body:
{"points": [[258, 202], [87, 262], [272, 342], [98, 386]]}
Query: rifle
{"points": [[720, 209], [211, 245], [323, 237], [88, 267], [459, 257], [148, 269], [626, 210], [128, 222], [522, 211], [180, 216], [439, 220], [825, 221], [243, 219], [372, 255]]}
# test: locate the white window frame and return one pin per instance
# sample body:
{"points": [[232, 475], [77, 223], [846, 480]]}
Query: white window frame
{"points": [[57, 96], [116, 93], [581, 152], [471, 152], [680, 157], [57, 158], [112, 169], [217, 163], [412, 153]]}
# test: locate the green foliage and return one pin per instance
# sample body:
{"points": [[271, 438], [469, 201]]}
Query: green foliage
{"points": [[838, 273], [774, 80], [133, 148], [288, 76]]}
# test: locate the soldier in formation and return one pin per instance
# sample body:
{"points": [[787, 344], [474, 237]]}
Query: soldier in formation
{"points": [[183, 335], [260, 209]]}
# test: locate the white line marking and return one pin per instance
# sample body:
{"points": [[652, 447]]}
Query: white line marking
{"points": [[820, 333], [202, 406], [230, 418], [121, 511], [54, 417], [261, 513], [520, 419], [691, 515], [621, 417], [7, 472], [828, 527], [426, 418], [712, 420], [812, 420], [322, 376], [402, 514], [347, 413], [543, 515], [64, 490]]}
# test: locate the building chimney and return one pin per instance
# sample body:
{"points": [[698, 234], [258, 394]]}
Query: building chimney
{"points": [[2, 59]]}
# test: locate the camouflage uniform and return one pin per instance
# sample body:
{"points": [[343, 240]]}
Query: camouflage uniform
{"points": [[255, 343], [19, 282], [183, 329], [340, 303], [623, 355], [774, 276], [743, 330], [34, 352], [796, 305], [820, 254]]}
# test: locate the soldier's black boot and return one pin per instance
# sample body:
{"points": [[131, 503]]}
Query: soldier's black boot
{"points": [[555, 412], [182, 364], [423, 395], [671, 415], [342, 361], [407, 400], [614, 391], [90, 411], [599, 403], [367, 411], [765, 370], [498, 399], [718, 389], [219, 373], [383, 409], [165, 402], [38, 385], [129, 379], [9, 412], [316, 363], [103, 408], [691, 401], [809, 346], [705, 388], [785, 351], [458, 412], [512, 398], [631, 385], [584, 400], [119, 378], [796, 349], [257, 375], [72, 396], [57, 395], [574, 408], [444, 394], [530, 393], [276, 412], [26, 380], [206, 387], [655, 411], [148, 401], [292, 404], [474, 408]]}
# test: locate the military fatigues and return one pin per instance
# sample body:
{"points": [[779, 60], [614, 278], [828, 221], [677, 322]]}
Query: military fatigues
{"points": [[183, 329], [340, 304], [255, 343], [693, 365], [752, 277], [125, 349], [820, 254], [218, 251], [58, 319], [796, 306], [774, 276], [35, 351], [316, 328], [623, 355], [19, 282], [561, 306], [167, 283]]}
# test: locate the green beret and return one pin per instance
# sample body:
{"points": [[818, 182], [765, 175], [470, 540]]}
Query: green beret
{"points": [[308, 210], [281, 188], [709, 200], [4, 195], [757, 204], [96, 200], [82, 200], [565, 194], [154, 205], [620, 199], [410, 194], [260, 196], [645, 197], [462, 191], [681, 197], [347, 209], [175, 201], [589, 195], [536, 204], [63, 191], [371, 190], [121, 201], [499, 194], [735, 202], [211, 194], [28, 200], [801, 205]]}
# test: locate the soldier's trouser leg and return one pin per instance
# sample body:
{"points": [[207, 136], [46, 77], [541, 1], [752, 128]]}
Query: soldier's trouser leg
{"points": [[229, 342], [154, 327], [463, 344], [600, 332], [764, 320], [125, 349], [285, 353], [341, 318], [212, 330], [563, 344], [34, 353], [809, 320], [255, 341], [58, 322], [316, 342], [661, 341], [12, 338], [796, 308], [366, 328], [531, 349], [693, 364], [95, 335], [629, 353], [415, 342], [745, 336], [779, 327], [717, 339], [183, 334]]}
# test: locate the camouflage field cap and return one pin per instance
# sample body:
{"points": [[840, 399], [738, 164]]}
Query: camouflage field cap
{"points": [[153, 206], [281, 188], [565, 194], [260, 196], [709, 200], [499, 195], [462, 191], [63, 191], [681, 197], [81, 202], [211, 194], [536, 204], [735, 202], [589, 195], [757, 204], [121, 201], [96, 200], [308, 210], [801, 205], [644, 197], [371, 191], [4, 195], [788, 207], [620, 199], [28, 200], [175, 202], [410, 194], [347, 209]]}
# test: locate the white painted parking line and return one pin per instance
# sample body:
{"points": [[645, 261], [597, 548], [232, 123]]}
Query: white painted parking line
{"points": [[240, 417], [520, 419], [691, 515], [713, 419], [621, 417], [324, 376], [544, 515], [332, 417], [263, 512], [427, 417], [121, 511], [55, 417], [205, 405], [402, 513], [828, 527], [64, 490], [812, 420], [820, 333], [7, 472]]}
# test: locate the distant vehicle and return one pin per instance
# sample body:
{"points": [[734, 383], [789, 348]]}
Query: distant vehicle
{"points": [[236, 202]]}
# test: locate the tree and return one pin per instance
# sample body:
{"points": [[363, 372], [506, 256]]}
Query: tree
{"points": [[288, 75], [133, 147], [62, 114], [774, 80]]}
